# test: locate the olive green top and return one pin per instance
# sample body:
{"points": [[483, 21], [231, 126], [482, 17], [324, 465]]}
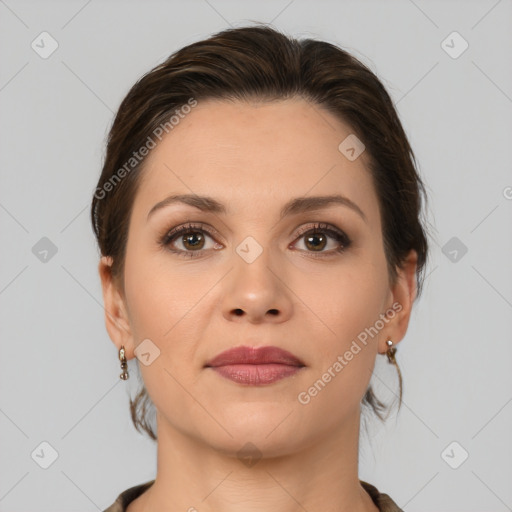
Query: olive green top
{"points": [[383, 501]]}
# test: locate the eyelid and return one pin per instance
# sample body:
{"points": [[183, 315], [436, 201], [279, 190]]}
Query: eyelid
{"points": [[169, 234], [210, 230], [342, 239], [317, 225]]}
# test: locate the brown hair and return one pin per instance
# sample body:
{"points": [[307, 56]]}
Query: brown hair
{"points": [[261, 63]]}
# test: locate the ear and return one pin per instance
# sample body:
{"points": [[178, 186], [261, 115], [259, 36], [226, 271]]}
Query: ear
{"points": [[403, 294], [116, 313]]}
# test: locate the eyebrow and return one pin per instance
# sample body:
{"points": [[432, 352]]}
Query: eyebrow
{"points": [[292, 207]]}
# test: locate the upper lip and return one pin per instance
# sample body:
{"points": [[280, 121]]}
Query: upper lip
{"points": [[255, 355]]}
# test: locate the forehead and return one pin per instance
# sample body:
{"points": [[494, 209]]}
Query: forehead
{"points": [[265, 151]]}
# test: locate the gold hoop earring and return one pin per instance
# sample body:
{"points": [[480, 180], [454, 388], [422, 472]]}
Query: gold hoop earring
{"points": [[124, 365], [390, 352]]}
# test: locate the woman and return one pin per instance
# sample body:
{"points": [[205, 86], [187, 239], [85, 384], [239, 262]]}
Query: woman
{"points": [[258, 216]]}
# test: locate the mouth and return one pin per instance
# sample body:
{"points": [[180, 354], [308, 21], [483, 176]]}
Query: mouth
{"points": [[255, 366]]}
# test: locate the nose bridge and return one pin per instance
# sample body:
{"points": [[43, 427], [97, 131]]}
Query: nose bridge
{"points": [[256, 289]]}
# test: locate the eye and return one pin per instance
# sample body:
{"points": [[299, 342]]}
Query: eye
{"points": [[316, 239], [192, 239]]}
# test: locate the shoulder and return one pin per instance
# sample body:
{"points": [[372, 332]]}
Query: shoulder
{"points": [[127, 496], [383, 501]]}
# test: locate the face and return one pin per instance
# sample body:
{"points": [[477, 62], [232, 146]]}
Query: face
{"points": [[309, 279]]}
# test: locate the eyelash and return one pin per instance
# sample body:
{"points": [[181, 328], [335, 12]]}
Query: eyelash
{"points": [[318, 227]]}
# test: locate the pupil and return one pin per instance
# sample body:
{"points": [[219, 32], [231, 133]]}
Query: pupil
{"points": [[312, 237], [190, 239]]}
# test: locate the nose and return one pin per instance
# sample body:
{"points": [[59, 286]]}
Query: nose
{"points": [[257, 292]]}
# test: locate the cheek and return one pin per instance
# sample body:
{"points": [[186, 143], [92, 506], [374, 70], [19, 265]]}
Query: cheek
{"points": [[345, 350], [150, 303], [346, 300], [345, 306], [161, 309], [157, 295], [164, 304]]}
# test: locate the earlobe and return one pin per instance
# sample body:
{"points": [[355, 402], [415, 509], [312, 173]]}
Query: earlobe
{"points": [[116, 316], [403, 295]]}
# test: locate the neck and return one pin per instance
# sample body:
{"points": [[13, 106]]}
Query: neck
{"points": [[193, 476]]}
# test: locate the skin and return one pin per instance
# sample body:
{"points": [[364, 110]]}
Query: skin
{"points": [[254, 157]]}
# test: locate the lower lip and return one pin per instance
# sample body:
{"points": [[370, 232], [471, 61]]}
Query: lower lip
{"points": [[256, 374]]}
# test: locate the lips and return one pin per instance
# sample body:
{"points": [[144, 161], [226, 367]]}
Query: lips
{"points": [[255, 356], [255, 366]]}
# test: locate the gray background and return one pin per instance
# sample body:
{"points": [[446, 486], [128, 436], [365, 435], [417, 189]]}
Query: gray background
{"points": [[59, 374]]}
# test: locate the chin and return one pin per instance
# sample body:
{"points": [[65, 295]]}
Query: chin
{"points": [[268, 426], [249, 446]]}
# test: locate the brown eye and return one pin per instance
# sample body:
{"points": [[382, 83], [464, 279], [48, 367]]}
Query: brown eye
{"points": [[317, 239], [189, 240], [193, 240]]}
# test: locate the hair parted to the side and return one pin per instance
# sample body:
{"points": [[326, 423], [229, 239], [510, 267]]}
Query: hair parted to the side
{"points": [[261, 63]]}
